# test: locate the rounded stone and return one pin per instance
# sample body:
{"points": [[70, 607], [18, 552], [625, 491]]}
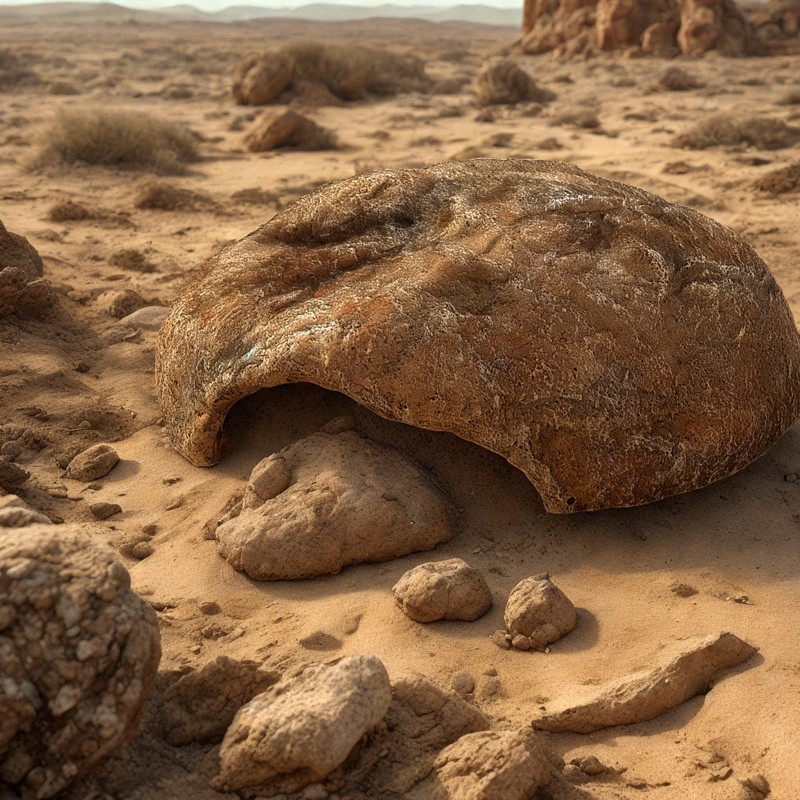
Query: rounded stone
{"points": [[538, 613]]}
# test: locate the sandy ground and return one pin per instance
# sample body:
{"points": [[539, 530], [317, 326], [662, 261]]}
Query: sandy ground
{"points": [[737, 539]]}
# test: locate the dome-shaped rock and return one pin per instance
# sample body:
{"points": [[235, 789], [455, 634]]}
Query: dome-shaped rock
{"points": [[615, 347]]}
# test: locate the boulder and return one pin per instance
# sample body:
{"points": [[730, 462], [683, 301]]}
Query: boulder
{"points": [[78, 652], [331, 500], [449, 589], [680, 672], [93, 463], [503, 82], [662, 28], [538, 613], [299, 731], [262, 78], [493, 765], [289, 129], [615, 347]]}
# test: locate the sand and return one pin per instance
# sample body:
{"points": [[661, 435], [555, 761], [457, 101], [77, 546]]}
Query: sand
{"points": [[76, 380]]}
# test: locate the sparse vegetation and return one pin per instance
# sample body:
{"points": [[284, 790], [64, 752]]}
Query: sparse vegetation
{"points": [[676, 79], [729, 130], [780, 181], [116, 138], [167, 197], [69, 211]]}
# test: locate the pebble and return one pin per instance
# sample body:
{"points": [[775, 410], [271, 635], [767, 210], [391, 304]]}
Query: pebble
{"points": [[791, 477], [11, 449], [501, 639], [175, 504], [142, 550], [210, 608], [462, 683], [150, 530], [104, 510]]}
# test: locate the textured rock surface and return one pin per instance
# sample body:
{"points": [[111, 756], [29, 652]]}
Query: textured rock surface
{"points": [[93, 463], [449, 589], [538, 613], [493, 765], [78, 651], [681, 672], [615, 347], [261, 79], [301, 730], [289, 129], [331, 500], [199, 706], [22, 289], [503, 82], [661, 28]]}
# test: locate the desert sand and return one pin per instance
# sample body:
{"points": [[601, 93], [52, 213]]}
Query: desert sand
{"points": [[722, 558]]}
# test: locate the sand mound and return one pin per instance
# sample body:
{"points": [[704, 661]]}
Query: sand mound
{"points": [[316, 71], [417, 307], [663, 28]]}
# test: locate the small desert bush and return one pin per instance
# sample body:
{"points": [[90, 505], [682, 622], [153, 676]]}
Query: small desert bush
{"points": [[116, 138], [780, 181], [69, 211], [729, 130], [167, 197]]}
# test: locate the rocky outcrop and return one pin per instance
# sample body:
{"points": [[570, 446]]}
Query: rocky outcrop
{"points": [[663, 28], [78, 652], [449, 589], [299, 731], [538, 613], [331, 500], [615, 347], [680, 673]]}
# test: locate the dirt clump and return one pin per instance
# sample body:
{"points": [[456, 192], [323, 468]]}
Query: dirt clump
{"points": [[443, 590], [79, 653], [168, 197], [331, 500], [538, 613], [780, 181], [289, 129], [503, 82], [729, 130]]}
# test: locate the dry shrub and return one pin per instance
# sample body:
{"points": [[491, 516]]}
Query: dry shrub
{"points": [[726, 129], [503, 82], [13, 72], [69, 211], [791, 98], [579, 117], [255, 197], [780, 181], [116, 138], [676, 79], [132, 259], [168, 197]]}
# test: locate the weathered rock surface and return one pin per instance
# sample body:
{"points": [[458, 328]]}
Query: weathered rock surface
{"points": [[449, 589], [78, 651], [331, 500], [681, 672], [538, 613], [503, 82], [615, 347], [662, 28], [301, 730], [289, 129], [11, 475], [493, 765], [93, 463], [200, 705], [23, 291], [322, 73]]}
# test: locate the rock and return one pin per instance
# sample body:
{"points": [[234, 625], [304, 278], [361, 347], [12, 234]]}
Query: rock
{"points": [[538, 613], [142, 550], [16, 252], [200, 705], [781, 180], [121, 303], [289, 129], [93, 463], [757, 787], [421, 307], [78, 653], [148, 317], [590, 765], [23, 292], [331, 500], [449, 589], [681, 672], [11, 450], [104, 510], [676, 79], [504, 82], [301, 731], [261, 79], [21, 517], [12, 476], [493, 765], [462, 683], [663, 28]]}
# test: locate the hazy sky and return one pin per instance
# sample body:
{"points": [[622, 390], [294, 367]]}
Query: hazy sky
{"points": [[216, 5]]}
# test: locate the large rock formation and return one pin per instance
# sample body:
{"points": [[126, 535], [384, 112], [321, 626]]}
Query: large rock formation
{"points": [[615, 347], [662, 28], [78, 652]]}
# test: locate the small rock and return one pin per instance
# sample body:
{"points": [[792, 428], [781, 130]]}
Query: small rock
{"points": [[148, 317], [573, 773], [462, 683], [12, 476], [590, 765], [539, 612], [323, 712], [142, 550], [443, 590], [210, 608], [758, 787], [94, 463], [791, 477], [11, 450], [104, 510], [121, 303], [501, 639], [315, 791], [19, 517]]}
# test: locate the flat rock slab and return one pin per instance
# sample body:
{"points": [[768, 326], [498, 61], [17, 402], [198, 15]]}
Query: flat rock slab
{"points": [[681, 672], [615, 347], [331, 500]]}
